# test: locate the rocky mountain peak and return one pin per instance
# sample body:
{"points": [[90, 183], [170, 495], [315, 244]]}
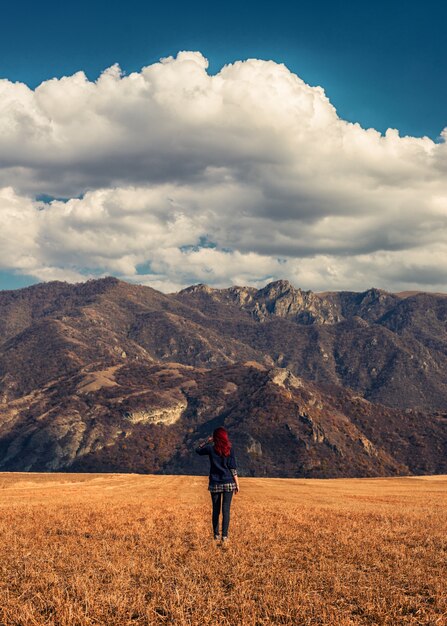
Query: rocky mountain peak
{"points": [[243, 296], [373, 294], [282, 299], [199, 288], [277, 288]]}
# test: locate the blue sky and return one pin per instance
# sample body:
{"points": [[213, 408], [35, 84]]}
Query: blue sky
{"points": [[381, 64]]}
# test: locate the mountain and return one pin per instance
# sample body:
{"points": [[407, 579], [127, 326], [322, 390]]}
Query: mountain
{"points": [[108, 376], [389, 349]]}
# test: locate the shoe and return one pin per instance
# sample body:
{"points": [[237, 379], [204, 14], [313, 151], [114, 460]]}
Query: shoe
{"points": [[216, 537], [225, 541]]}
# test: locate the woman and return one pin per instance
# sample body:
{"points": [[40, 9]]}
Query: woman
{"points": [[223, 478]]}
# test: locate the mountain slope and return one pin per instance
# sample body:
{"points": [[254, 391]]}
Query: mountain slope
{"points": [[110, 376]]}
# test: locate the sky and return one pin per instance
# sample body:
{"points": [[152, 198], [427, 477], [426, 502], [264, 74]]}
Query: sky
{"points": [[170, 144]]}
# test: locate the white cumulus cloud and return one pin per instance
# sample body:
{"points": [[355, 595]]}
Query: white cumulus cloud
{"points": [[171, 176]]}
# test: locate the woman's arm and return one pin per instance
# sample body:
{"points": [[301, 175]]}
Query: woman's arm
{"points": [[201, 445], [233, 468], [236, 480]]}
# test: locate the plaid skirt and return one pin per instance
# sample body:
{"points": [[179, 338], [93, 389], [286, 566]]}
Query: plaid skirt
{"points": [[219, 487]]}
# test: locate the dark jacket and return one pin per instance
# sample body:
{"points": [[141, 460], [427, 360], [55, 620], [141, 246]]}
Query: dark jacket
{"points": [[222, 468]]}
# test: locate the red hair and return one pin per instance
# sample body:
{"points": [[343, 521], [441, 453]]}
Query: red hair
{"points": [[222, 444]]}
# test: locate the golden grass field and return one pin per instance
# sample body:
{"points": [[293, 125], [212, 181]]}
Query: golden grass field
{"points": [[133, 550]]}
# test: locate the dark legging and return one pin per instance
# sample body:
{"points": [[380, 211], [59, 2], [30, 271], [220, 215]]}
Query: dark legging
{"points": [[224, 498]]}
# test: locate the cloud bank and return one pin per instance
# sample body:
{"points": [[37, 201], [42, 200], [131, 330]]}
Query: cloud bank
{"points": [[171, 176]]}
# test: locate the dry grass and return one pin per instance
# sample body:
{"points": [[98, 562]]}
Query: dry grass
{"points": [[126, 549]]}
